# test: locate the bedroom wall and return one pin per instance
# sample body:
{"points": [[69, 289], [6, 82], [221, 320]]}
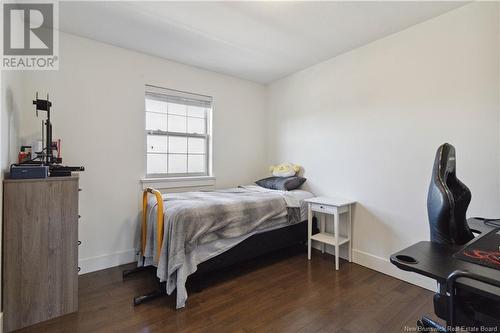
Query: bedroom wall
{"points": [[10, 91], [98, 112], [366, 125]]}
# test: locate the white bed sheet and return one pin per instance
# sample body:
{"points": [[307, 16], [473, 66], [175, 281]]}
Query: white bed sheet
{"points": [[295, 198]]}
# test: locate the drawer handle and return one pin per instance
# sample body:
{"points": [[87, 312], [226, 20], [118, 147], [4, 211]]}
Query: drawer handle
{"points": [[79, 216], [321, 207], [79, 268], [79, 243], [79, 190]]}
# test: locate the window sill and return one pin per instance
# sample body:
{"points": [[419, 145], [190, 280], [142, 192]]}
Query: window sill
{"points": [[178, 182]]}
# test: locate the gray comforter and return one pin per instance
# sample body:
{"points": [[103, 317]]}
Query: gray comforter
{"points": [[193, 219]]}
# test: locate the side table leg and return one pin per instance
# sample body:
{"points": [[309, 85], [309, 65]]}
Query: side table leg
{"points": [[322, 229], [349, 233], [309, 231], [336, 230]]}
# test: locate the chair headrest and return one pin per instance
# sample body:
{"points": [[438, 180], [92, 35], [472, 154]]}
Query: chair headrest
{"points": [[445, 161]]}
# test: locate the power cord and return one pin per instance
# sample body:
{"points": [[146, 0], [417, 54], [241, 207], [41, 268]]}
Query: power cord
{"points": [[495, 223]]}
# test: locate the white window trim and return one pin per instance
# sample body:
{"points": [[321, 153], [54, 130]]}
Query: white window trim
{"points": [[178, 182], [171, 179]]}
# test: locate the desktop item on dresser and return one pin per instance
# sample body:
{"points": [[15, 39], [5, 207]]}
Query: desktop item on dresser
{"points": [[28, 171], [24, 154]]}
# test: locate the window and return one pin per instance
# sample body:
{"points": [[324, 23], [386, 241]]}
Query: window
{"points": [[177, 133]]}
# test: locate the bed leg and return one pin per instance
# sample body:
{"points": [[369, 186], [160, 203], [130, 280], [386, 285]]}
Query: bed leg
{"points": [[148, 297], [152, 295], [127, 272], [197, 285], [138, 269]]}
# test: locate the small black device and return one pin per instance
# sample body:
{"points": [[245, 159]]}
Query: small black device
{"points": [[29, 171], [63, 171]]}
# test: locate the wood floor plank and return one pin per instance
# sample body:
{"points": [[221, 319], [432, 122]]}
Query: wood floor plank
{"points": [[277, 293]]}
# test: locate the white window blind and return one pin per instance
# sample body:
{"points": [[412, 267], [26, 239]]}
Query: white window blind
{"points": [[177, 133]]}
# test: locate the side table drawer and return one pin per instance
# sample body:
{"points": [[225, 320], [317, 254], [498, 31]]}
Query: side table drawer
{"points": [[322, 208]]}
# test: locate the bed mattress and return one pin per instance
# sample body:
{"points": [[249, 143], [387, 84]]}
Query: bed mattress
{"points": [[202, 225]]}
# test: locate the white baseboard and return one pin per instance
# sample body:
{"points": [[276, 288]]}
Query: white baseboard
{"points": [[1, 322], [93, 264], [383, 265]]}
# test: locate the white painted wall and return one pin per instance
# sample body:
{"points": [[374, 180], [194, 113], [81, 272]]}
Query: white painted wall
{"points": [[366, 125], [98, 112], [10, 91]]}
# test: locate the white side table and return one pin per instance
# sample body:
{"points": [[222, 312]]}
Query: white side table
{"points": [[335, 207]]}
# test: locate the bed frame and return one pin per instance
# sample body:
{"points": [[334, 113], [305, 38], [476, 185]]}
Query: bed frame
{"points": [[252, 247]]}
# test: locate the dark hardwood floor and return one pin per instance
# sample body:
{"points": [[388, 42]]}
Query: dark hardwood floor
{"points": [[277, 293]]}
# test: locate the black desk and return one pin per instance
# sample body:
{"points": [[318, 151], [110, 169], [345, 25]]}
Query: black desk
{"points": [[437, 262], [478, 226]]}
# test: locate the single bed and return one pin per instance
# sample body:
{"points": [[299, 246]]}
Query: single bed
{"points": [[204, 231]]}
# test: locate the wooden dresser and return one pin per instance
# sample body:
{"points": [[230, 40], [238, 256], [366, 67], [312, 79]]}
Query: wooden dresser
{"points": [[40, 250]]}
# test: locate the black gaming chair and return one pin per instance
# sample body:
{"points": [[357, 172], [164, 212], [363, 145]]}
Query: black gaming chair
{"points": [[447, 201]]}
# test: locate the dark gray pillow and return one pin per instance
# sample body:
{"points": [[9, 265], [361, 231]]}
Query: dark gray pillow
{"points": [[281, 183]]}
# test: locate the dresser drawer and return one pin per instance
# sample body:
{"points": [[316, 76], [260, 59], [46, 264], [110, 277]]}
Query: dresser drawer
{"points": [[322, 208], [40, 234]]}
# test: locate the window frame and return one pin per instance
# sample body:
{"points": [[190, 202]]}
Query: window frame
{"points": [[157, 95]]}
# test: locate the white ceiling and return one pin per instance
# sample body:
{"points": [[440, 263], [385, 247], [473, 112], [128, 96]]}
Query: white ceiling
{"points": [[258, 41]]}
